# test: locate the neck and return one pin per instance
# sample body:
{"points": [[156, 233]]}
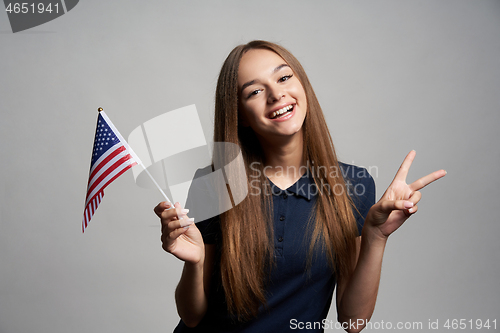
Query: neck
{"points": [[284, 159]]}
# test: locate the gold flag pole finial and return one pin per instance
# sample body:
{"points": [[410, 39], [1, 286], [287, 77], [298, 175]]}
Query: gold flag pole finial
{"points": [[99, 109]]}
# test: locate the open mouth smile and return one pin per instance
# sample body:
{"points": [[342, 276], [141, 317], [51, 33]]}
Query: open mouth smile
{"points": [[282, 113]]}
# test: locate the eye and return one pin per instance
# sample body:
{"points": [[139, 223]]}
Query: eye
{"points": [[253, 93], [285, 78]]}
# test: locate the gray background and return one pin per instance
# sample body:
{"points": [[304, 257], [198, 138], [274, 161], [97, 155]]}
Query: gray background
{"points": [[391, 76]]}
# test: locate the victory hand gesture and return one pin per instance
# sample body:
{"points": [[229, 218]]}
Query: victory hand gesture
{"points": [[399, 201]]}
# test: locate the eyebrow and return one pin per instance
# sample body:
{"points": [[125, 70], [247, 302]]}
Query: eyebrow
{"points": [[249, 83]]}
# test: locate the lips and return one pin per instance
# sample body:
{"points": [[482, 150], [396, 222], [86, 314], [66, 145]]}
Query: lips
{"points": [[280, 112]]}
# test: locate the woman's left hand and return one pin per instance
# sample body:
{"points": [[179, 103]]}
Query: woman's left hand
{"points": [[399, 201]]}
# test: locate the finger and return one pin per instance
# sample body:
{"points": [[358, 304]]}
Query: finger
{"points": [[168, 238], [161, 207], [176, 224], [405, 166], [177, 213], [168, 215], [412, 210], [181, 212], [426, 180], [388, 206], [415, 197]]}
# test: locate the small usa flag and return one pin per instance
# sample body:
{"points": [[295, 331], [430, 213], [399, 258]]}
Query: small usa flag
{"points": [[111, 157]]}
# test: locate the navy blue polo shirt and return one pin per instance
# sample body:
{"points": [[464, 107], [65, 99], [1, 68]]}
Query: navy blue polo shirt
{"points": [[295, 293]]}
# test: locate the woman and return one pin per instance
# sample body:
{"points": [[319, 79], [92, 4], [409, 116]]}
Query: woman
{"points": [[272, 262]]}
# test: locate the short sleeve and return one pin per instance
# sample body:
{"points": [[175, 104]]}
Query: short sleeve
{"points": [[210, 230], [199, 208], [361, 189]]}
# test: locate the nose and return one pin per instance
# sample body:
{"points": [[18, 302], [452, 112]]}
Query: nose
{"points": [[275, 94]]}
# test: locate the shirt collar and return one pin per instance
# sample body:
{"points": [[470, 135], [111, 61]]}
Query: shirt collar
{"points": [[303, 187]]}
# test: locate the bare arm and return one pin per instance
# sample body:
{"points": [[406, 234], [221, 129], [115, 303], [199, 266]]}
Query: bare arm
{"points": [[356, 297], [181, 237], [191, 294]]}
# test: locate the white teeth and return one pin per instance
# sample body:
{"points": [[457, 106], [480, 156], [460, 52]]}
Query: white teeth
{"points": [[281, 111]]}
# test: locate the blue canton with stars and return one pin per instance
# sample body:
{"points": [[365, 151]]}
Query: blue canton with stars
{"points": [[104, 139]]}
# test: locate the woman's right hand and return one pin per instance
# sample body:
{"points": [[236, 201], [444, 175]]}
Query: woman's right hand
{"points": [[179, 234]]}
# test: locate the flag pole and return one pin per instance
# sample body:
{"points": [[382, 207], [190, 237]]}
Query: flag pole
{"points": [[100, 109]]}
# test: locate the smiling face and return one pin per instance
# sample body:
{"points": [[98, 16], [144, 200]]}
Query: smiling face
{"points": [[272, 100]]}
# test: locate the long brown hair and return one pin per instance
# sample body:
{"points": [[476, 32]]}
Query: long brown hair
{"points": [[247, 229]]}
